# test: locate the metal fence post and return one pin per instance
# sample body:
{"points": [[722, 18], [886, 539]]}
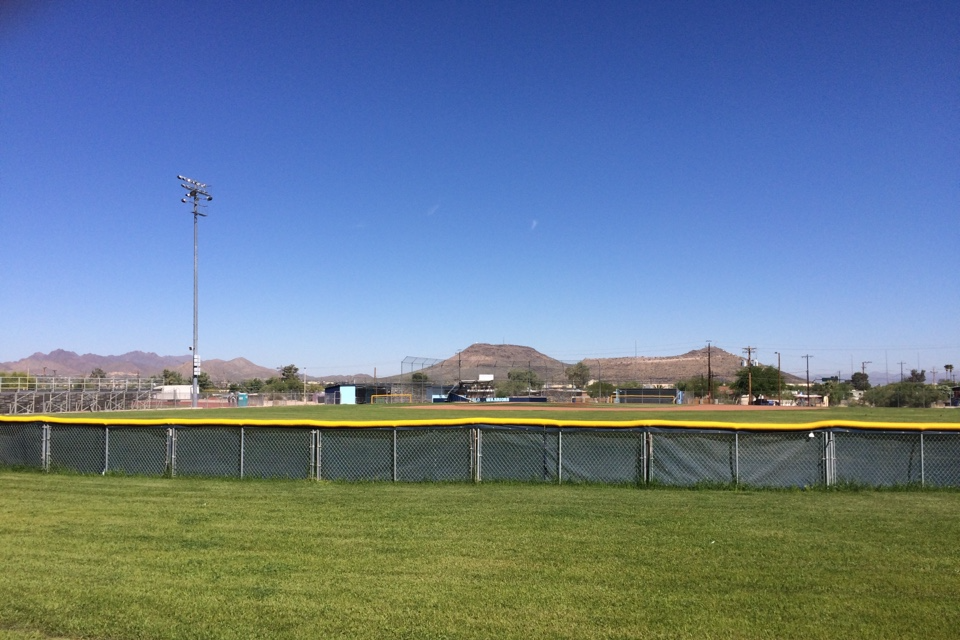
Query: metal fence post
{"points": [[242, 446], [394, 471], [828, 459], [45, 448], [923, 479], [736, 457], [478, 468], [106, 450], [833, 458], [319, 454], [171, 462], [544, 472], [647, 456], [559, 456], [640, 464]]}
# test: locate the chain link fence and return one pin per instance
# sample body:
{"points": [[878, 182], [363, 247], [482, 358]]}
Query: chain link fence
{"points": [[676, 456]]}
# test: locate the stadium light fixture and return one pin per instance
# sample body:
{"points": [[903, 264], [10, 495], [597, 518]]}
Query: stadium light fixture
{"points": [[195, 191]]}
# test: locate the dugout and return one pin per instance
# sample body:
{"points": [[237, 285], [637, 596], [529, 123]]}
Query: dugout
{"points": [[352, 393], [645, 396]]}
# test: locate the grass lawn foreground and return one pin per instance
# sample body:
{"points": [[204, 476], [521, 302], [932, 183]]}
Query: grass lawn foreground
{"points": [[128, 557]]}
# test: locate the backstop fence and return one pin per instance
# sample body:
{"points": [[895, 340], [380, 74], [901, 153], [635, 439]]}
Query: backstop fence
{"points": [[467, 451]]}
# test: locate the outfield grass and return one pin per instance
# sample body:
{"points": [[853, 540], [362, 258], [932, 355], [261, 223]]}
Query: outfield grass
{"points": [[619, 413], [118, 558]]}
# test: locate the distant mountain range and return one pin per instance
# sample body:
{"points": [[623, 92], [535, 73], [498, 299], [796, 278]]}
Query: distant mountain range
{"points": [[490, 359], [133, 364]]}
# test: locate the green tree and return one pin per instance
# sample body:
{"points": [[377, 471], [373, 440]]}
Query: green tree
{"points": [[905, 394], [518, 382], [917, 376], [419, 377], [579, 375], [288, 380], [98, 373], [860, 381], [204, 383], [172, 377], [598, 389], [835, 390], [695, 386], [761, 381], [289, 373]]}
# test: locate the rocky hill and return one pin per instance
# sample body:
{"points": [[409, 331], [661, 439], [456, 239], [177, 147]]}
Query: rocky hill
{"points": [[500, 359]]}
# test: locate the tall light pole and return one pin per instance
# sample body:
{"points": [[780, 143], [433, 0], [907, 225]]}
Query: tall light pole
{"points": [[779, 382], [195, 192]]}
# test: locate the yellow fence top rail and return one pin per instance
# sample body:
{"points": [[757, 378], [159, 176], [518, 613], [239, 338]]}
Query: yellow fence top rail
{"points": [[468, 422]]}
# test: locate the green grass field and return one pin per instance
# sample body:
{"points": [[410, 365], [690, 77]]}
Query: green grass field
{"points": [[119, 558], [620, 413]]}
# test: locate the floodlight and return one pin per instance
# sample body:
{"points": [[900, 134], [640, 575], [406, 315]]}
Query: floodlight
{"points": [[195, 190]]}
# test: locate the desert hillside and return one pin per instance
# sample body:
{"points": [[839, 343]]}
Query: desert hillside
{"points": [[481, 358], [500, 359]]}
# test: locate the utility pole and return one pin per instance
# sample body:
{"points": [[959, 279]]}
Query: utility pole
{"points": [[808, 379], [863, 366], [899, 388], [749, 351], [195, 192]]}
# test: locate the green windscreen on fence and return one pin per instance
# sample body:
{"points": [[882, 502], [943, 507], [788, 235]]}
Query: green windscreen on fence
{"points": [[665, 453]]}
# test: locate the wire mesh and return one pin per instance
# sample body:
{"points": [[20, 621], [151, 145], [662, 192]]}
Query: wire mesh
{"points": [[438, 455], [356, 454], [78, 448], [614, 457], [21, 444], [497, 452], [779, 459], [276, 453], [136, 450], [529, 454], [941, 453], [208, 451], [878, 459], [688, 458]]}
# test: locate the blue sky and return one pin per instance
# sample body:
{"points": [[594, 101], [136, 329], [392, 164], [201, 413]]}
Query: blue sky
{"points": [[391, 179]]}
